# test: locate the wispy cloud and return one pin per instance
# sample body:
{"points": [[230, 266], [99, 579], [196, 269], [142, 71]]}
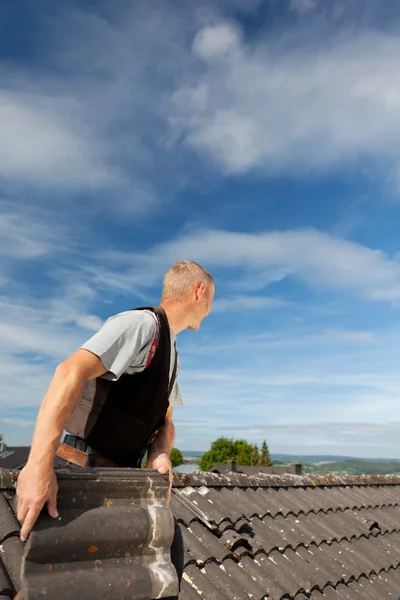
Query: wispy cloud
{"points": [[240, 303], [316, 257], [294, 101], [17, 422], [365, 337], [22, 237], [42, 142], [303, 6], [278, 103], [93, 130]]}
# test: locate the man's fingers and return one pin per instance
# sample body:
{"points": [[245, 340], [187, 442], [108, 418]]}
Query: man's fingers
{"points": [[52, 505], [170, 487], [22, 511], [29, 522]]}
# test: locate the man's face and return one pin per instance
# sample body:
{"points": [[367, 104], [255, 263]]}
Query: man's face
{"points": [[202, 305]]}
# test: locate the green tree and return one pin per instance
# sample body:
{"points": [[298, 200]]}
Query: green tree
{"points": [[265, 458], [255, 456], [224, 449], [243, 452], [176, 457]]}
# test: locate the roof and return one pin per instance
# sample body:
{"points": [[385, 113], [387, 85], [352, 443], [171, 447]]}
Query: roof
{"points": [[13, 457], [111, 541], [232, 466], [266, 536], [289, 536]]}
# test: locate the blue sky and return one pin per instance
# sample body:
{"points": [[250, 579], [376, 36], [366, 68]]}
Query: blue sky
{"points": [[260, 138]]}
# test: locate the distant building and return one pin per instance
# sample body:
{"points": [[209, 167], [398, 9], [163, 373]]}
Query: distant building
{"points": [[13, 457]]}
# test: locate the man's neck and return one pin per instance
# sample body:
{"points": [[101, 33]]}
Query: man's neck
{"points": [[176, 314]]}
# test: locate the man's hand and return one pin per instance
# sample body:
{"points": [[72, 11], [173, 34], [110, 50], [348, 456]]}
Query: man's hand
{"points": [[36, 486], [163, 465]]}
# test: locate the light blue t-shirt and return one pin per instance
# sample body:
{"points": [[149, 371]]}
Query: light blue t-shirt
{"points": [[124, 343]]}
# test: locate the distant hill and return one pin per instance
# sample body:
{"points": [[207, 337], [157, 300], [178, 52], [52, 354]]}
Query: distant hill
{"points": [[326, 463], [318, 458], [193, 453], [354, 467]]}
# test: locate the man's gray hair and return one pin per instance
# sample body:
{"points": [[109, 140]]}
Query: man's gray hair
{"points": [[182, 276]]}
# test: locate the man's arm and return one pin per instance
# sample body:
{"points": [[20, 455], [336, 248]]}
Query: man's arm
{"points": [[37, 483], [160, 449]]}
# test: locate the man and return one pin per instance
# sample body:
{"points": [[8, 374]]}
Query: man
{"points": [[115, 395]]}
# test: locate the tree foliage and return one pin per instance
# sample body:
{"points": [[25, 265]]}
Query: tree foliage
{"points": [[176, 457], [224, 449], [255, 456], [265, 458]]}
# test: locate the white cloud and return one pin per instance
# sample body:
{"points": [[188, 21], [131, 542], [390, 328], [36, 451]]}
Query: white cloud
{"points": [[301, 103], [215, 41], [23, 236], [89, 322], [353, 336], [271, 103], [17, 422], [40, 141], [251, 303], [318, 258], [303, 6]]}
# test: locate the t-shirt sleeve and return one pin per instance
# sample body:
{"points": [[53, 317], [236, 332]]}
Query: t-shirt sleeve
{"points": [[123, 343], [175, 398]]}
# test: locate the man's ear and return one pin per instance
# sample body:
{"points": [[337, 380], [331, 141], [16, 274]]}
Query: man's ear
{"points": [[199, 290]]}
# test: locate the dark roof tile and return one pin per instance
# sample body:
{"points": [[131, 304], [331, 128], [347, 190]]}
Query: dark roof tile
{"points": [[198, 580], [386, 518], [12, 551], [209, 541], [8, 523], [112, 539], [204, 503], [296, 571], [267, 536], [196, 551], [263, 504], [253, 569], [330, 593], [317, 595], [281, 580], [243, 498], [276, 501], [13, 457], [242, 577], [6, 587], [325, 557], [358, 557], [383, 495], [188, 592], [225, 502], [221, 579], [180, 510], [269, 533]]}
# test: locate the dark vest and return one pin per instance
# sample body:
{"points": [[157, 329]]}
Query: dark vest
{"points": [[120, 419]]}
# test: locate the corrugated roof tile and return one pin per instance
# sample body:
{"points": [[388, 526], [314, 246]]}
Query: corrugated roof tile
{"points": [[267, 536], [243, 578], [218, 575], [198, 580]]}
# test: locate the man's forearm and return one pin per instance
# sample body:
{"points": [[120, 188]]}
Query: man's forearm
{"points": [[163, 442], [57, 406]]}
